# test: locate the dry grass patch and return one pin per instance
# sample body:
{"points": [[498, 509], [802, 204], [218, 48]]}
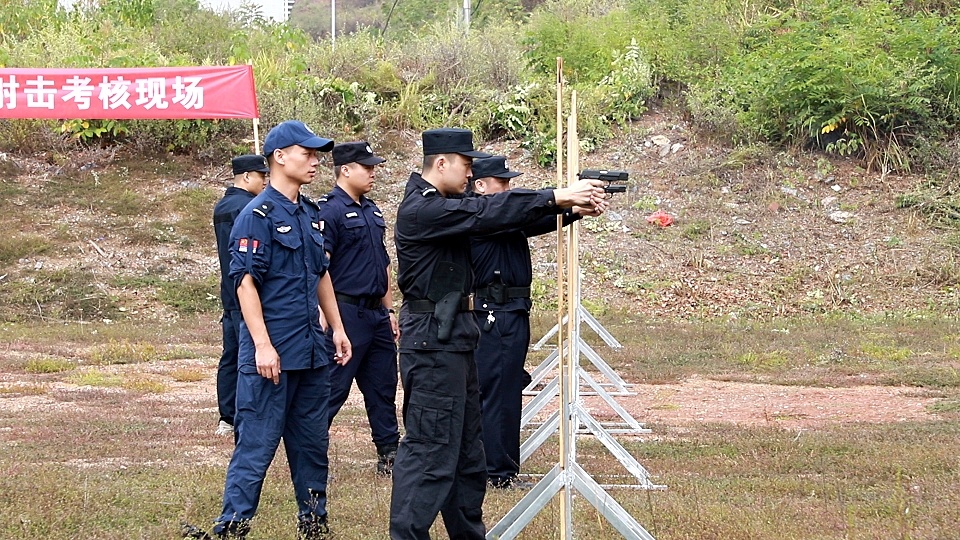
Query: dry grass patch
{"points": [[95, 378], [17, 390], [125, 352], [48, 365], [187, 375], [144, 385]]}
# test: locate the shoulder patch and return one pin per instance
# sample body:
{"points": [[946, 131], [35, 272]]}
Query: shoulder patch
{"points": [[263, 209], [429, 191]]}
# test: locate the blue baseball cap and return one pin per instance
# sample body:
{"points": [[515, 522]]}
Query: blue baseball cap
{"points": [[294, 132]]}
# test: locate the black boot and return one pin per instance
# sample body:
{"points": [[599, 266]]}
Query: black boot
{"points": [[385, 456], [235, 530], [313, 528]]}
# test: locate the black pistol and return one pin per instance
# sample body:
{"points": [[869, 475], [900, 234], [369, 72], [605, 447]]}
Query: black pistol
{"points": [[612, 179]]}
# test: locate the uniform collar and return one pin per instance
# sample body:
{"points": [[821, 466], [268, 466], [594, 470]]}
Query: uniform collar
{"points": [[282, 201], [341, 195], [234, 190]]}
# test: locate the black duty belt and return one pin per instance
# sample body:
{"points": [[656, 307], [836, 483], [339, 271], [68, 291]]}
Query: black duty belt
{"points": [[503, 294], [427, 306], [367, 302]]}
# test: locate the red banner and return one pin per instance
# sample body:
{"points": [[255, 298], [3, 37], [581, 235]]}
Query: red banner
{"points": [[135, 93]]}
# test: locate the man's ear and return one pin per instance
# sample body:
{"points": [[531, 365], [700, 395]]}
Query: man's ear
{"points": [[278, 156], [479, 186]]}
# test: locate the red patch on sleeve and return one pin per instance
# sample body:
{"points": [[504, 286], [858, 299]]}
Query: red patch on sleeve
{"points": [[242, 247]]}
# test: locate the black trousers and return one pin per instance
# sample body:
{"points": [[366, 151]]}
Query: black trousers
{"points": [[440, 466], [500, 357], [374, 366], [227, 369]]}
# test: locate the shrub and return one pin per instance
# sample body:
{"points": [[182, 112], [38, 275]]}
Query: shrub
{"points": [[585, 36], [858, 79]]}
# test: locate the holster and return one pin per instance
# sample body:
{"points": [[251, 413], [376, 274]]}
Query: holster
{"points": [[447, 284], [446, 313]]}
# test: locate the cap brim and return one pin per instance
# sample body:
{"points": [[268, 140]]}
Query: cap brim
{"points": [[373, 160], [319, 143], [474, 154], [508, 174]]}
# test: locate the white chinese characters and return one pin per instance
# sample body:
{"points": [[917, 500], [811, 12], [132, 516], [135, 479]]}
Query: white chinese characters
{"points": [[40, 92]]}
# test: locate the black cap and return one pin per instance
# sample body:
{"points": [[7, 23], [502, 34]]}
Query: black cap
{"points": [[450, 141], [355, 152], [249, 163], [294, 132], [495, 167]]}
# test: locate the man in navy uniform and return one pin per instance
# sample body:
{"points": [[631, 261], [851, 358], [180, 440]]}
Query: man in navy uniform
{"points": [[440, 466], [249, 179], [502, 278], [353, 234], [278, 265]]}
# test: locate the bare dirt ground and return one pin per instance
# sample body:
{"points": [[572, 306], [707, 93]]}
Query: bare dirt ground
{"points": [[694, 400]]}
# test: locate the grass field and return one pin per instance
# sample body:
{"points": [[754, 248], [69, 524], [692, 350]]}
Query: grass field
{"points": [[107, 433]]}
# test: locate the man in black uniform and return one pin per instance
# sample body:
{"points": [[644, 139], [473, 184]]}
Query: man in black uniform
{"points": [[440, 467], [249, 179], [353, 236], [503, 274]]}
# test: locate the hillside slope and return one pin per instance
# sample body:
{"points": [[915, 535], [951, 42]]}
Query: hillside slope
{"points": [[108, 234]]}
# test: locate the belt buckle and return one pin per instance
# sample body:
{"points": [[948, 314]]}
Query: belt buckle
{"points": [[470, 302]]}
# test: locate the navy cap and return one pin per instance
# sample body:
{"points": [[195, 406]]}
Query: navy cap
{"points": [[495, 167], [294, 132], [355, 152], [450, 141], [249, 163]]}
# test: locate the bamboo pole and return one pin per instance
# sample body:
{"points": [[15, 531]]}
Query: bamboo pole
{"points": [[256, 135], [566, 510]]}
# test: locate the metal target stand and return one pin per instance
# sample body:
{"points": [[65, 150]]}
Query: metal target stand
{"points": [[567, 476]]}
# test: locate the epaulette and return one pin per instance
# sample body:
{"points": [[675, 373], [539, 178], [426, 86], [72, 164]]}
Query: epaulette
{"points": [[263, 209], [429, 191], [310, 202]]}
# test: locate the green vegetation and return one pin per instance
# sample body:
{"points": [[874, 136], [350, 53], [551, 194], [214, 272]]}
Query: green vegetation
{"points": [[874, 79], [47, 365], [67, 294], [125, 352], [95, 378]]}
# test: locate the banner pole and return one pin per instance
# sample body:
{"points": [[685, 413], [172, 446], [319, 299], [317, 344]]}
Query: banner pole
{"points": [[256, 135]]}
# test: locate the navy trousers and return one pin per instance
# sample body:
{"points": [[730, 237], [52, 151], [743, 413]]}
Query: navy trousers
{"points": [[440, 466], [227, 369], [295, 410], [374, 366], [500, 357]]}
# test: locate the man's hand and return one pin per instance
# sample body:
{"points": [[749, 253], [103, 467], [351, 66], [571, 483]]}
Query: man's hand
{"points": [[268, 363], [343, 351], [394, 327], [592, 212], [583, 193]]}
